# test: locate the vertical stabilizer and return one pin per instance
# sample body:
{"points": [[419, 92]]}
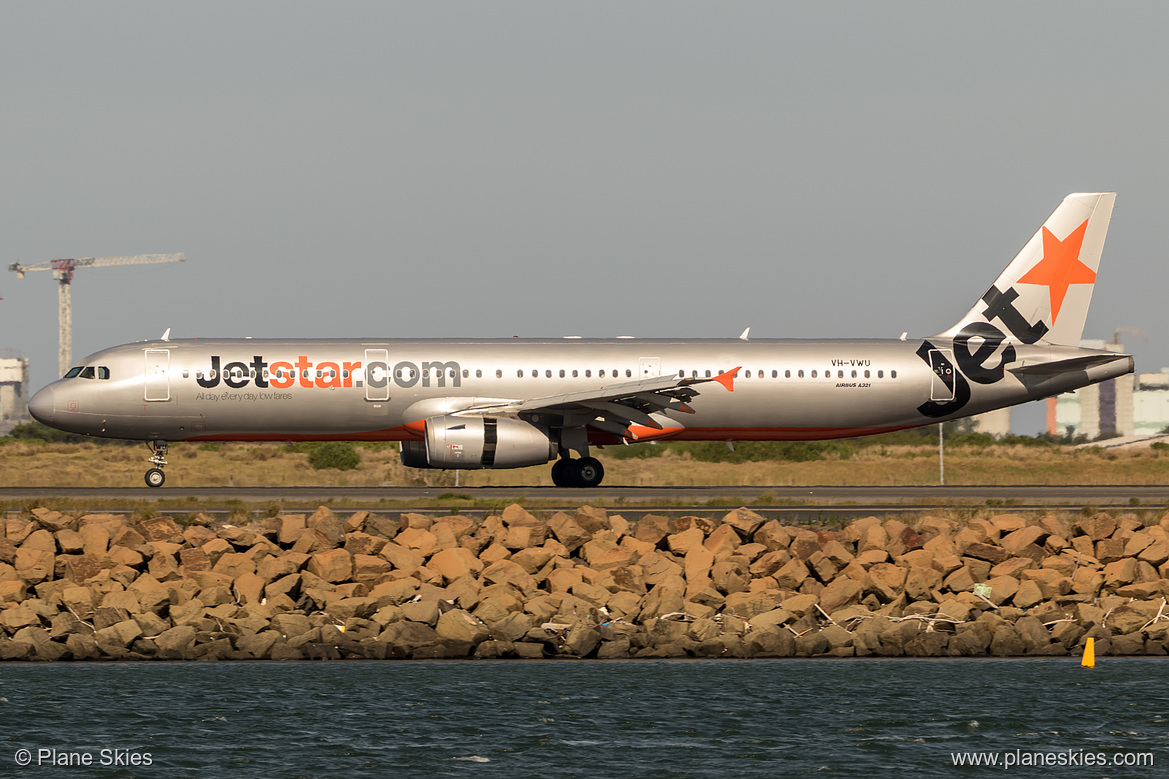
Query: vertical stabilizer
{"points": [[1044, 293]]}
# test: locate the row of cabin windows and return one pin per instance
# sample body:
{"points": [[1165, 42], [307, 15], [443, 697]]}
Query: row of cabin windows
{"points": [[88, 372], [104, 373], [827, 374], [588, 374]]}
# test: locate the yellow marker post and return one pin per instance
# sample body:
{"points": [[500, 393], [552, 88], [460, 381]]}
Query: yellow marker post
{"points": [[1089, 660]]}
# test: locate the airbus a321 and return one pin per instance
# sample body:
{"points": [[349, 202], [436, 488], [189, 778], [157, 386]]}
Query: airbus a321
{"points": [[511, 403]]}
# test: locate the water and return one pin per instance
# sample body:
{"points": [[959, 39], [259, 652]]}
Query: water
{"points": [[734, 718]]}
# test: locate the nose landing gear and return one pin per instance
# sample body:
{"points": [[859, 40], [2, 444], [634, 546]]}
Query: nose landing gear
{"points": [[155, 477]]}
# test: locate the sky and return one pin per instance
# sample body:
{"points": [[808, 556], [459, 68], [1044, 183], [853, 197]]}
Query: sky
{"points": [[656, 169]]}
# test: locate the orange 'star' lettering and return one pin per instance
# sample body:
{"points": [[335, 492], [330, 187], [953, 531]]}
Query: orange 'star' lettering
{"points": [[282, 377], [351, 368], [330, 375], [302, 366]]}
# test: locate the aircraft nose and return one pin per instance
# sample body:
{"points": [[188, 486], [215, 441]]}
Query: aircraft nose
{"points": [[40, 405]]}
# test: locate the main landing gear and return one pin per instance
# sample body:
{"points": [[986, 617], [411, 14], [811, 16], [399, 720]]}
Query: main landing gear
{"points": [[583, 472], [155, 477]]}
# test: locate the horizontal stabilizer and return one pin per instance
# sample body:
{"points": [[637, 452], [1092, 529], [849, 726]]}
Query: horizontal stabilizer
{"points": [[1065, 366]]}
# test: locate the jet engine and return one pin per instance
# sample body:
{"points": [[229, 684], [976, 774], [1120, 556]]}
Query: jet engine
{"points": [[478, 442]]}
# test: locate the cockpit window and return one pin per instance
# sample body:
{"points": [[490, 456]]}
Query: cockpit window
{"points": [[88, 372]]}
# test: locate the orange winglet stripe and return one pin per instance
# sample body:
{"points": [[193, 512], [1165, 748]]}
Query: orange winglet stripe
{"points": [[727, 378]]}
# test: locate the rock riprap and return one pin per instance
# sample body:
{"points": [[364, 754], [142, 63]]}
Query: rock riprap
{"points": [[587, 584]]}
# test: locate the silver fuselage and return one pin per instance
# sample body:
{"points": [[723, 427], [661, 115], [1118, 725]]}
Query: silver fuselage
{"points": [[254, 389]]}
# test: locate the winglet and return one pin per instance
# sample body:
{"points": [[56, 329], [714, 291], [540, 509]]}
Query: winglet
{"points": [[727, 378]]}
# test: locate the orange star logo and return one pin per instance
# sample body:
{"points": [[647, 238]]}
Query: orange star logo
{"points": [[1060, 266]]}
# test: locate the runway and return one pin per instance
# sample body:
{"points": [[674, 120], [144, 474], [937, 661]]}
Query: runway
{"points": [[850, 500]]}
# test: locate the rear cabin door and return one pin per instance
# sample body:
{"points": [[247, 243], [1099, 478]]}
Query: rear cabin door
{"points": [[942, 386], [157, 374]]}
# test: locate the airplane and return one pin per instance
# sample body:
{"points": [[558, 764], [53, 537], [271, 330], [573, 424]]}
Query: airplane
{"points": [[511, 403]]}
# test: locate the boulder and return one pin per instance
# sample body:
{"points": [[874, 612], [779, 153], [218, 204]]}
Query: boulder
{"points": [[840, 593], [991, 554], [335, 565], [568, 531], [458, 625], [652, 528], [682, 542], [160, 529], [454, 563]]}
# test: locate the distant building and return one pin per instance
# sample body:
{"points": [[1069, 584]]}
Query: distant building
{"points": [[13, 393], [996, 423]]}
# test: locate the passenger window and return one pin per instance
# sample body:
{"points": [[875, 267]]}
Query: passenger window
{"points": [[708, 374], [880, 374], [787, 374], [601, 373], [574, 374], [548, 373], [588, 373], [854, 374], [520, 373], [498, 373], [775, 374], [813, 374], [628, 374], [466, 373], [87, 373], [106, 371], [840, 374], [801, 374], [562, 373], [760, 374], [866, 374], [535, 374], [478, 373], [892, 374], [73, 373], [344, 374]]}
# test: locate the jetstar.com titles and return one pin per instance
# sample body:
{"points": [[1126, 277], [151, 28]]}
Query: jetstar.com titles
{"points": [[303, 372]]}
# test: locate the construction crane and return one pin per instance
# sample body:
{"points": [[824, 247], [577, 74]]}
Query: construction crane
{"points": [[63, 273]]}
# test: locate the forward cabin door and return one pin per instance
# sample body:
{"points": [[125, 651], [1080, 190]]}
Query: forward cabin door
{"points": [[157, 374], [942, 386]]}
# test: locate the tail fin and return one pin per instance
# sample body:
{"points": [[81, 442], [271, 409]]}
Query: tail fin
{"points": [[1044, 293]]}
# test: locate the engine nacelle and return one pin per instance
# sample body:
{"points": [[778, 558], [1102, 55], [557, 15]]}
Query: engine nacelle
{"points": [[479, 442]]}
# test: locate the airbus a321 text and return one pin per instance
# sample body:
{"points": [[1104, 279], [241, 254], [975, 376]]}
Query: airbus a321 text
{"points": [[510, 403]]}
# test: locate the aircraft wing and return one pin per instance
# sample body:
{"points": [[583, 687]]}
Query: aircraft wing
{"points": [[615, 407]]}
